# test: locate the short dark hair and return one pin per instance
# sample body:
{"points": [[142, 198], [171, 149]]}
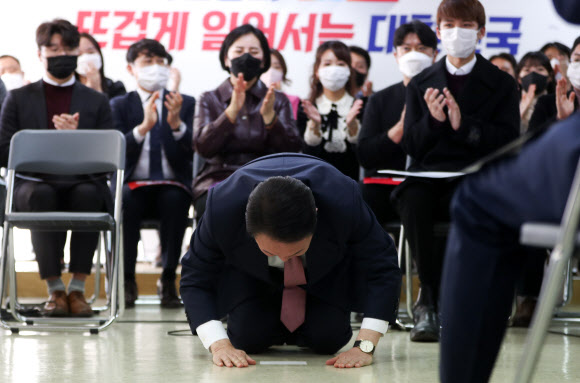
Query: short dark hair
{"points": [[422, 30], [467, 10], [10, 57], [238, 32], [149, 48], [70, 33], [361, 52], [576, 43], [282, 208], [563, 49], [508, 57]]}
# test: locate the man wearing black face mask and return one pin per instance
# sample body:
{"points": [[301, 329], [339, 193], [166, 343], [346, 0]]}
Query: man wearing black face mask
{"points": [[59, 102]]}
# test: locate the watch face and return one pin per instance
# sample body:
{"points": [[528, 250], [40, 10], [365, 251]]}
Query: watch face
{"points": [[367, 346]]}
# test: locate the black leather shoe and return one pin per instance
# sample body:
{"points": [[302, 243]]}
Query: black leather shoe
{"points": [[168, 294], [131, 293], [524, 312], [426, 324]]}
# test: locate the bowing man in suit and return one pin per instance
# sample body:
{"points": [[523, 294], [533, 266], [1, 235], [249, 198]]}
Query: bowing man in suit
{"points": [[457, 111], [58, 102], [287, 248], [158, 129]]}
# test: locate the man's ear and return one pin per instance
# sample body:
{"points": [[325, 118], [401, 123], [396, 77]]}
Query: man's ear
{"points": [[481, 33], [130, 70]]}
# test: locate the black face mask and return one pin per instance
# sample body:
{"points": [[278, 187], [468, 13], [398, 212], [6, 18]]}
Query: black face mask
{"points": [[359, 78], [61, 66], [541, 82], [248, 65]]}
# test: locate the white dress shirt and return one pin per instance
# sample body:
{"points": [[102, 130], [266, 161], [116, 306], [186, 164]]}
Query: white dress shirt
{"points": [[464, 70], [47, 80], [142, 168], [212, 331]]}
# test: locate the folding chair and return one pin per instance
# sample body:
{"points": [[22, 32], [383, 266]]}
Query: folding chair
{"points": [[64, 153], [565, 242]]}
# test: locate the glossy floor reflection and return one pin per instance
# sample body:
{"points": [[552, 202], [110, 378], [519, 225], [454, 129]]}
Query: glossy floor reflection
{"points": [[139, 348]]}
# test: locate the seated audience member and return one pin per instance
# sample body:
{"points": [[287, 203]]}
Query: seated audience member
{"points": [[91, 68], [559, 56], [561, 104], [2, 93], [158, 128], [361, 65], [457, 111], [382, 128], [11, 73], [505, 62], [536, 78], [242, 119], [277, 75], [330, 115], [287, 248], [58, 102]]}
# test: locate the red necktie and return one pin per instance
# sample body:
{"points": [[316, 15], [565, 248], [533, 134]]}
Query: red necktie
{"points": [[293, 297]]}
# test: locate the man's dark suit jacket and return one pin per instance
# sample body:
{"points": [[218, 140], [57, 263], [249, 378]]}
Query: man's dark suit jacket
{"points": [[351, 262], [25, 108], [128, 113], [490, 118]]}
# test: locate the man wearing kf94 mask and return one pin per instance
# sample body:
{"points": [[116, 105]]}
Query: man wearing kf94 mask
{"points": [[457, 111], [158, 128]]}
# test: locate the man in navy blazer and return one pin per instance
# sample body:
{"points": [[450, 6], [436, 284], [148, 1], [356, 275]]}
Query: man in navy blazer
{"points": [[158, 129], [277, 211]]}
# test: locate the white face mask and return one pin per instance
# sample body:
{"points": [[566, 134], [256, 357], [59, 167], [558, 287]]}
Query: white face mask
{"points": [[334, 77], [152, 77], [272, 76], [87, 60], [413, 63], [459, 42], [574, 74], [13, 80]]}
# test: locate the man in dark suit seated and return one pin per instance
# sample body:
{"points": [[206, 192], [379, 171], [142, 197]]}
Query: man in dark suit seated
{"points": [[158, 129], [287, 248], [457, 111], [59, 102]]}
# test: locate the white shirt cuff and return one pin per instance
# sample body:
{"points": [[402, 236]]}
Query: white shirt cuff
{"points": [[179, 132], [377, 325], [310, 138], [210, 332], [138, 137]]}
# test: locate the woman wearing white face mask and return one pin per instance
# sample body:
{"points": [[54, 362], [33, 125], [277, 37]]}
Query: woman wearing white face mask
{"points": [[330, 119], [276, 75], [91, 68], [382, 128], [561, 104], [457, 111]]}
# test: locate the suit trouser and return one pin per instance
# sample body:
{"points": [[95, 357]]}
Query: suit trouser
{"points": [[48, 246], [254, 326], [483, 258], [170, 204], [422, 203]]}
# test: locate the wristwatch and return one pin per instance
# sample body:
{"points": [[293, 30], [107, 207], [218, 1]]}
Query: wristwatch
{"points": [[365, 346]]}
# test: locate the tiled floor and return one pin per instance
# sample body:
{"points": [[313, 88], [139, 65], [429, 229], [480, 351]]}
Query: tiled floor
{"points": [[138, 348]]}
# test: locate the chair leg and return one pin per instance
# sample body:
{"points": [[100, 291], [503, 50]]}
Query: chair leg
{"points": [[97, 290], [548, 299], [409, 279]]}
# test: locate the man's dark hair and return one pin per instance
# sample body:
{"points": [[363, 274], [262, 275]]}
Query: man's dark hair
{"points": [[422, 30], [149, 48], [563, 49], [70, 33], [10, 57], [576, 43], [282, 208], [508, 57], [361, 52], [466, 10], [238, 32]]}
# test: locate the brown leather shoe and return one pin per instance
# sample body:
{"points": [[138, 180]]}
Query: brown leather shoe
{"points": [[78, 305], [57, 305]]}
